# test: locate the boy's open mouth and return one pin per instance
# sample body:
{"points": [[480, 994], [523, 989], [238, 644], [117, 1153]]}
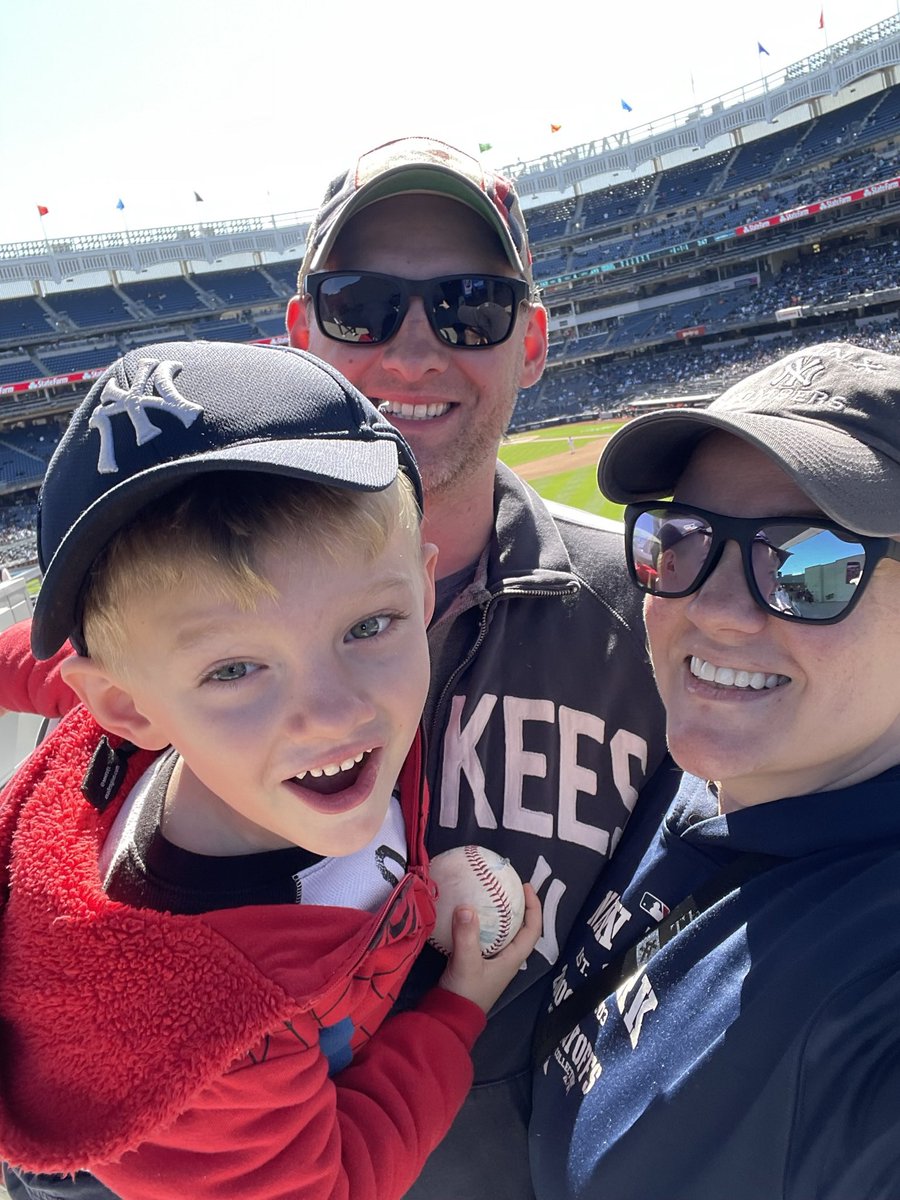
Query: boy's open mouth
{"points": [[335, 777]]}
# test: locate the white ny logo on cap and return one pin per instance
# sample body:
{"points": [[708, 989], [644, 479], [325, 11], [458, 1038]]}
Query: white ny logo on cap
{"points": [[799, 372], [153, 386]]}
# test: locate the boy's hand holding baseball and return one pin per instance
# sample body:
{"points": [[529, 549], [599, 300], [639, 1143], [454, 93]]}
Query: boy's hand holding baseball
{"points": [[483, 980]]}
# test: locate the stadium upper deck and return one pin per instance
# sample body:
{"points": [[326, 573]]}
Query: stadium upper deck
{"points": [[769, 212]]}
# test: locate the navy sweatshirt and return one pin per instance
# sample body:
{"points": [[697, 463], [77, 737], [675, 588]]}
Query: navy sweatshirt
{"points": [[756, 1056]]}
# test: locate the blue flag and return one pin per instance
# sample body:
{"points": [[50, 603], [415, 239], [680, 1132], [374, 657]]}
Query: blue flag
{"points": [[625, 105], [760, 49], [121, 204]]}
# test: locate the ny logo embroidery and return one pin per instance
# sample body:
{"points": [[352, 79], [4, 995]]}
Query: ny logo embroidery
{"points": [[800, 372], [153, 386]]}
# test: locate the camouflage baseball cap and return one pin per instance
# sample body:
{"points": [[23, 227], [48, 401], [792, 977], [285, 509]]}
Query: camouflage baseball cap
{"points": [[427, 166]]}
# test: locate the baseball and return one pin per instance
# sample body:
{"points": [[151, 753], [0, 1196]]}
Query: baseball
{"points": [[485, 882]]}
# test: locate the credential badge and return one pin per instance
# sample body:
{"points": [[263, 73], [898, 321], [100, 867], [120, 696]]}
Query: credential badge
{"points": [[153, 386]]}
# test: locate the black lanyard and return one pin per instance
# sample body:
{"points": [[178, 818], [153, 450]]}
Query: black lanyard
{"points": [[554, 1025]]}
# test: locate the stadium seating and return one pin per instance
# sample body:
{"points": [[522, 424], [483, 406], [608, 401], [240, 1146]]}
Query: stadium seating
{"points": [[91, 307], [167, 297], [22, 319], [237, 287], [14, 370], [79, 360]]}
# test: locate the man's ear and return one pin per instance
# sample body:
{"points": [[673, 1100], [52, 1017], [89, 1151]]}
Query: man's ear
{"points": [[535, 346], [110, 702], [297, 322]]}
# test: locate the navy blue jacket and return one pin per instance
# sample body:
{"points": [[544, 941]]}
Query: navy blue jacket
{"points": [[756, 1056]]}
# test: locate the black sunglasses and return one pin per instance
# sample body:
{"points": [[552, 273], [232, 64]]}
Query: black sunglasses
{"points": [[797, 568], [367, 308]]}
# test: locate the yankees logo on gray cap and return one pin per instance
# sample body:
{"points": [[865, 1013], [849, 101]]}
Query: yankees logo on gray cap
{"points": [[167, 412]]}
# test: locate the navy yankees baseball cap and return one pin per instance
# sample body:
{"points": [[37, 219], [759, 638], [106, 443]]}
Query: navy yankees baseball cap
{"points": [[167, 412]]}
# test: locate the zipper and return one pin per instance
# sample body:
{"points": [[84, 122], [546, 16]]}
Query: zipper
{"points": [[565, 589]]}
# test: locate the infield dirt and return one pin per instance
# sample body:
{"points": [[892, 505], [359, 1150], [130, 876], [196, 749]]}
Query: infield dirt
{"points": [[585, 454]]}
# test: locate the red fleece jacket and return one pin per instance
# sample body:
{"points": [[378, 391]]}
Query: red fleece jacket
{"points": [[179, 1055], [27, 685]]}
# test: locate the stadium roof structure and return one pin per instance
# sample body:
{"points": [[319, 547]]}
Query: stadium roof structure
{"points": [[761, 103], [57, 259], [731, 119]]}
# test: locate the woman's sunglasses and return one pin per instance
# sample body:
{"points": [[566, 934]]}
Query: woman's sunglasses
{"points": [[797, 568], [367, 308]]}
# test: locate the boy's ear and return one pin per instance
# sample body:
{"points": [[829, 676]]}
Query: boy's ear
{"points": [[297, 322], [110, 703]]}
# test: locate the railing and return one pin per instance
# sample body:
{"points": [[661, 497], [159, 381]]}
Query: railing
{"points": [[19, 732]]}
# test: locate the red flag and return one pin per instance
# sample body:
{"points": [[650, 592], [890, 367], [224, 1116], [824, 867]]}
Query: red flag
{"points": [[822, 18], [42, 211], [555, 128]]}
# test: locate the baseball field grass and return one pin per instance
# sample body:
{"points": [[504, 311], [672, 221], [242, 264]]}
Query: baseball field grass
{"points": [[560, 463]]}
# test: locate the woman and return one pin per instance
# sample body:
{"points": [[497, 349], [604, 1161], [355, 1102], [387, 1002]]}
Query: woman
{"points": [[750, 1048]]}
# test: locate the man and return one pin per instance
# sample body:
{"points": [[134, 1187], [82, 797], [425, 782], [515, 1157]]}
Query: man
{"points": [[542, 719]]}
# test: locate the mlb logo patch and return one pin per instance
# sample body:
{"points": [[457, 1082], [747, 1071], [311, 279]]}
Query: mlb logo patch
{"points": [[653, 906]]}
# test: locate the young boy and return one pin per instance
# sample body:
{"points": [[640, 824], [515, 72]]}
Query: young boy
{"points": [[217, 879]]}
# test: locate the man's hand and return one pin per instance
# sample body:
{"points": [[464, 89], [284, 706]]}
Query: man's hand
{"points": [[483, 980]]}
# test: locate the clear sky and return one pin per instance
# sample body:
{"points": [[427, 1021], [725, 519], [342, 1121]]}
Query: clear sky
{"points": [[256, 104]]}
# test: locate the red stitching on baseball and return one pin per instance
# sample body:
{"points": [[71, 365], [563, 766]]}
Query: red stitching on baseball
{"points": [[492, 886]]}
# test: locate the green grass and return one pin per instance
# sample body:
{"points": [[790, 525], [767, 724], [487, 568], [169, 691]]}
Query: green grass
{"points": [[578, 488], [515, 454], [582, 429]]}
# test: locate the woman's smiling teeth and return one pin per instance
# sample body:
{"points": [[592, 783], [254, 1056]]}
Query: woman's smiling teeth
{"points": [[728, 677]]}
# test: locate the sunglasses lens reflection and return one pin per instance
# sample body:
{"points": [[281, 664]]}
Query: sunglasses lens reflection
{"points": [[473, 312], [365, 308], [800, 570], [359, 308]]}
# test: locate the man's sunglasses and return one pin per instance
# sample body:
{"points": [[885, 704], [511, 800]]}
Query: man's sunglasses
{"points": [[797, 568], [367, 308]]}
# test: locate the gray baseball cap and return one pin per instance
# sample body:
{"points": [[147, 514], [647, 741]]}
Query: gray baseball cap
{"points": [[426, 166], [828, 415]]}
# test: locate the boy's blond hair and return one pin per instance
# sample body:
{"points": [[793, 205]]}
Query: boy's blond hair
{"points": [[215, 529]]}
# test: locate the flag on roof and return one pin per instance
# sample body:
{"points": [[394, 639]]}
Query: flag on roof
{"points": [[625, 105], [555, 128], [120, 204], [483, 147], [760, 49], [822, 17], [197, 196], [42, 210]]}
